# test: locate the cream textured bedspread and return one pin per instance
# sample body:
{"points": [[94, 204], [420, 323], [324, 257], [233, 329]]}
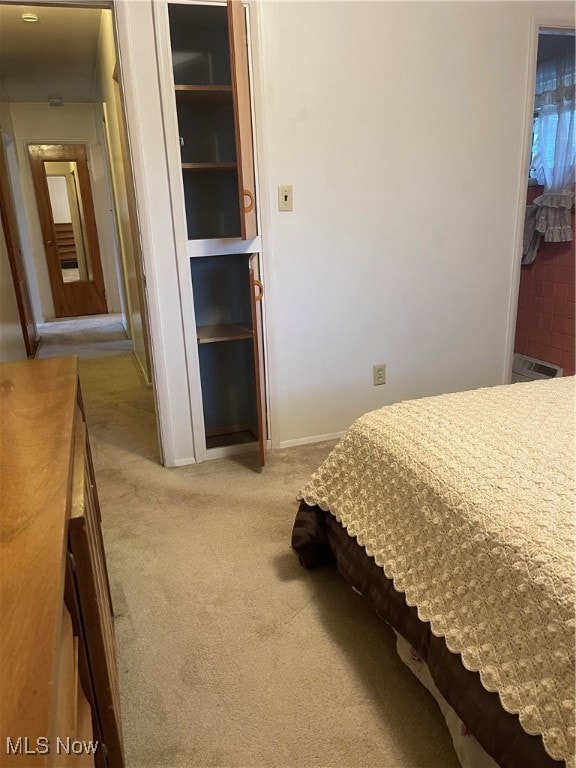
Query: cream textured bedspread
{"points": [[467, 502]]}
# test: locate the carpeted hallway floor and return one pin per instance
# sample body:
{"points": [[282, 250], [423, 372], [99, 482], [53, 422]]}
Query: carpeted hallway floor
{"points": [[230, 654], [87, 337]]}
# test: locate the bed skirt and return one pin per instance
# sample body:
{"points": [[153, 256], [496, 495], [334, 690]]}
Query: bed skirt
{"points": [[319, 539]]}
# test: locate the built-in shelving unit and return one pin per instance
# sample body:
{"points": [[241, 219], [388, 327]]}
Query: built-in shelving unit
{"points": [[212, 101]]}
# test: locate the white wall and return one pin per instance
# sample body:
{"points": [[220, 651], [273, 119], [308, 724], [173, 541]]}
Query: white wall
{"points": [[12, 345], [72, 123], [20, 210], [58, 191], [401, 127], [128, 248]]}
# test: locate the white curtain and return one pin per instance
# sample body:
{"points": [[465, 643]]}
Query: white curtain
{"points": [[555, 156]]}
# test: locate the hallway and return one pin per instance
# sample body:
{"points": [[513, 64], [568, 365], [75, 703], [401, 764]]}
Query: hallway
{"points": [[119, 406], [88, 337]]}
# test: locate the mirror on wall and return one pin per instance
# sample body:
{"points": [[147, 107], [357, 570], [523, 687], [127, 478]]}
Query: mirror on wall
{"points": [[68, 219]]}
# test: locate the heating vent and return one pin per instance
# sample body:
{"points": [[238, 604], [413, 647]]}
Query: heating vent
{"points": [[528, 369]]}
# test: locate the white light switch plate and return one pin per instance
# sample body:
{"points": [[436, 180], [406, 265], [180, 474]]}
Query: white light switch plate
{"points": [[285, 202]]}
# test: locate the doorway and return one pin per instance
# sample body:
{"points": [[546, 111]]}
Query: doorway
{"points": [[66, 209], [75, 205], [544, 334]]}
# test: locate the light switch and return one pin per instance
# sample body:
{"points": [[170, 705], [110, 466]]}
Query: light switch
{"points": [[285, 197]]}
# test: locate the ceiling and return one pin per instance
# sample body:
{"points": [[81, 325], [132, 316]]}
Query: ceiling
{"points": [[56, 56]]}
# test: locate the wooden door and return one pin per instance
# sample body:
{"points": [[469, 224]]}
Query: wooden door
{"points": [[242, 118], [74, 264], [256, 296], [15, 259]]}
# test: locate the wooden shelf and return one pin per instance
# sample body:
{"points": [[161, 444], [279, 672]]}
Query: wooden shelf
{"points": [[208, 334], [233, 435], [202, 94], [209, 166]]}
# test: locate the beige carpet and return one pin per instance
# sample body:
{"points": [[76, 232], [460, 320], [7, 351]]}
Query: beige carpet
{"points": [[230, 653], [89, 337]]}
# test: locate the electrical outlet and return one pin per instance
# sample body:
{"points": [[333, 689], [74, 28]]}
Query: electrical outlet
{"points": [[379, 374]]}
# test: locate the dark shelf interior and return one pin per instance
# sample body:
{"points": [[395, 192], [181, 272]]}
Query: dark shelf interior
{"points": [[211, 200], [207, 132], [228, 389], [221, 290], [199, 41]]}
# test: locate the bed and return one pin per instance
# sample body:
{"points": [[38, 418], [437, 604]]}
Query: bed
{"points": [[454, 516]]}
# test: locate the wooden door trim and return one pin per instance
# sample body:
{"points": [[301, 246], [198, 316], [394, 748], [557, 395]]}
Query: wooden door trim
{"points": [[238, 41]]}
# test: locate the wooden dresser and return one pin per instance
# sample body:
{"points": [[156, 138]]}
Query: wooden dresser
{"points": [[59, 698]]}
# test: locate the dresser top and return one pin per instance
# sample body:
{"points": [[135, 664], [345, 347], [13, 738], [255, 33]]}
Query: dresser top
{"points": [[37, 410]]}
